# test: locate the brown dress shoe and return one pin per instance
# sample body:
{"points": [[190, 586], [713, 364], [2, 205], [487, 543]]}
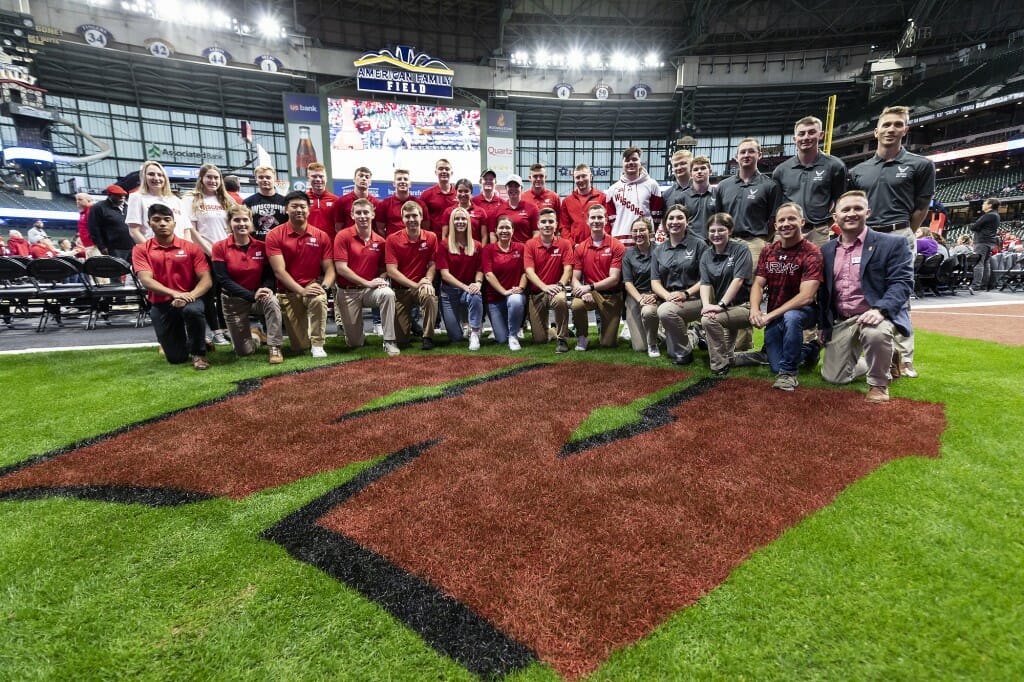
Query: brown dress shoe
{"points": [[199, 362], [877, 394]]}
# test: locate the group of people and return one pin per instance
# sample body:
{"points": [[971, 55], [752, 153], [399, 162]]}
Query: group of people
{"points": [[670, 262]]}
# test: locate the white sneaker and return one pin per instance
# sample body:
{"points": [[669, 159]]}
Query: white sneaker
{"points": [[474, 340], [378, 330], [219, 338], [513, 344], [624, 334], [318, 352], [653, 352], [582, 342], [391, 349], [520, 334]]}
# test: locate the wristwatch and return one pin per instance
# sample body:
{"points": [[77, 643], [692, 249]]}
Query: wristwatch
{"points": [[723, 305]]}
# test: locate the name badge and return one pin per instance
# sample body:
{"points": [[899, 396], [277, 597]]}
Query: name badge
{"points": [[855, 260]]}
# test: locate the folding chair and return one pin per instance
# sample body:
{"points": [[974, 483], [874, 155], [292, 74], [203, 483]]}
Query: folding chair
{"points": [[105, 295], [51, 275], [16, 288]]}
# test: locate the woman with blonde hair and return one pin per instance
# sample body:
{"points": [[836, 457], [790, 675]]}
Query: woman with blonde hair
{"points": [[459, 262], [154, 188]]}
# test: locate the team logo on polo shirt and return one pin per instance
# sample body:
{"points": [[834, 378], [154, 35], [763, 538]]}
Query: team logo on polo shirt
{"points": [[752, 193], [374, 246], [424, 245], [181, 254], [902, 171], [258, 255], [819, 175], [311, 242]]}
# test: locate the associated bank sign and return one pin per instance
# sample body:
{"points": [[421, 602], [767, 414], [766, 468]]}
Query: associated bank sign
{"points": [[404, 72]]}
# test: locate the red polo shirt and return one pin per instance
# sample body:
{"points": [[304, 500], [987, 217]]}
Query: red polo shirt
{"points": [[596, 262], [321, 212], [341, 212], [488, 208], [459, 265], [547, 261], [176, 266], [389, 214], [365, 258], [412, 257], [245, 266], [524, 220], [507, 266], [477, 220], [546, 199], [303, 253], [437, 203]]}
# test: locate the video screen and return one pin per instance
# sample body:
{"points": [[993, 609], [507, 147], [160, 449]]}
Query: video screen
{"points": [[386, 135]]}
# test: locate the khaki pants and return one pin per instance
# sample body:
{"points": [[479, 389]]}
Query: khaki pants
{"points": [[675, 317], [539, 305], [405, 301], [745, 336], [843, 362], [305, 318], [819, 236], [905, 344], [348, 310], [643, 324], [236, 315], [719, 330], [609, 305]]}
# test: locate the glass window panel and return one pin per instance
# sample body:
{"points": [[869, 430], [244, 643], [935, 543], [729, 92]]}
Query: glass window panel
{"points": [[212, 139], [155, 114]]}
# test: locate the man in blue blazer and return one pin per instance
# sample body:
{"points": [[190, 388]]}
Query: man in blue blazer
{"points": [[863, 302]]}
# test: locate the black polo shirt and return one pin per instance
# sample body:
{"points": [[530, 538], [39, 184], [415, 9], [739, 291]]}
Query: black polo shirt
{"points": [[752, 205], [673, 195], [894, 187], [701, 206], [719, 270], [678, 268], [815, 187], [636, 268]]}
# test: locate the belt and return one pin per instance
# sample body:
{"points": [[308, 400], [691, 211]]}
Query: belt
{"points": [[891, 227], [350, 286]]}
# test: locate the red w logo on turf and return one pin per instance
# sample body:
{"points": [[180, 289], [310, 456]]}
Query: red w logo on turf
{"points": [[489, 528]]}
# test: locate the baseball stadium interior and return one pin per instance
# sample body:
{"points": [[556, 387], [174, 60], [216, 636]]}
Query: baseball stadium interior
{"points": [[92, 88]]}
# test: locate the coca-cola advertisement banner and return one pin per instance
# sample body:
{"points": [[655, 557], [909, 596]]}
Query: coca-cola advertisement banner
{"points": [[305, 136]]}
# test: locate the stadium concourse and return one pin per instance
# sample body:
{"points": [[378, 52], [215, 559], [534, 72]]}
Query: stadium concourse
{"points": [[991, 316]]}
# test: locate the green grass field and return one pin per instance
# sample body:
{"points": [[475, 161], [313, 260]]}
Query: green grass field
{"points": [[915, 572]]}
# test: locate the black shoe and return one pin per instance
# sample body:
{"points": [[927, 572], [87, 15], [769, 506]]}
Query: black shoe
{"points": [[416, 329], [685, 359], [811, 351], [428, 343], [720, 372], [561, 346]]}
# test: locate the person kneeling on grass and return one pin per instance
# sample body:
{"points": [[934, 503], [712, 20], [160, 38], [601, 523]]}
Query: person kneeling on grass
{"points": [[726, 271], [506, 276], [675, 278], [175, 274], [790, 270], [641, 301], [246, 280], [548, 262], [301, 256], [597, 280], [864, 301]]}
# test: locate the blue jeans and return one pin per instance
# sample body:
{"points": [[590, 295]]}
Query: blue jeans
{"points": [[507, 316], [784, 338], [454, 303]]}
